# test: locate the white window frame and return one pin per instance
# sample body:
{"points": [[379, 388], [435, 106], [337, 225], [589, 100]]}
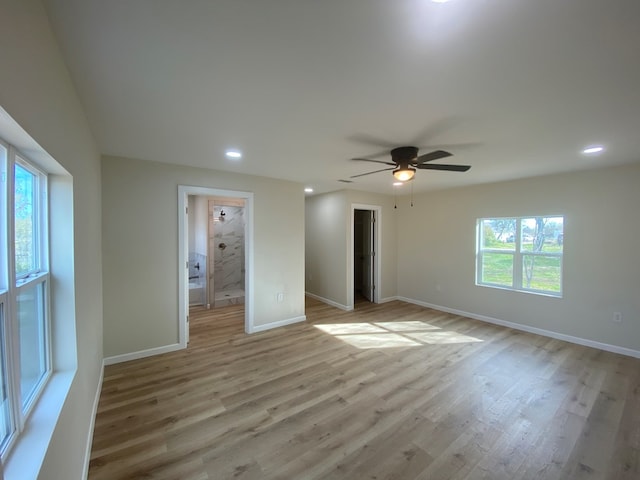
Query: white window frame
{"points": [[517, 278], [11, 285], [41, 218], [4, 316]]}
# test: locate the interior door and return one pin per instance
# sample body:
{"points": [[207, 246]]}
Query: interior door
{"points": [[368, 254], [185, 272]]}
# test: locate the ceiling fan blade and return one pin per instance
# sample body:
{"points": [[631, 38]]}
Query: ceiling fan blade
{"points": [[374, 161], [435, 155], [440, 166], [369, 173], [371, 140], [435, 129], [452, 146], [382, 153]]}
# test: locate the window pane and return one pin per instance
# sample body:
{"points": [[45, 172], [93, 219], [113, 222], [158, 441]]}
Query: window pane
{"points": [[5, 410], [499, 233], [31, 324], [497, 268], [25, 231], [542, 234], [4, 270], [542, 272]]}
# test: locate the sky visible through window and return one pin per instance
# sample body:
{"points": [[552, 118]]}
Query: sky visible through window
{"points": [[24, 221]]}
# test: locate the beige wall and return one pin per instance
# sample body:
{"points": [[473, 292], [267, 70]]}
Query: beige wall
{"points": [[326, 246], [201, 230], [198, 223], [328, 243], [601, 260], [36, 91], [140, 224]]}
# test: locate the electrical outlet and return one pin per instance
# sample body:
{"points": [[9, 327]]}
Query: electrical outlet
{"points": [[617, 317], [280, 297]]}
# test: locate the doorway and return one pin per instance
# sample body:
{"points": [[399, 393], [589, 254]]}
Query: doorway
{"points": [[194, 262], [225, 248], [365, 260]]}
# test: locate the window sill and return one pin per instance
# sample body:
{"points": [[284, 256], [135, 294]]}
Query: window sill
{"points": [[26, 458], [520, 290]]}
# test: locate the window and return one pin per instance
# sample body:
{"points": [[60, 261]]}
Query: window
{"points": [[25, 363], [25, 220], [522, 253]]}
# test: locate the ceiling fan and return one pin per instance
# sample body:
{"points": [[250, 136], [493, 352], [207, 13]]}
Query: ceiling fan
{"points": [[405, 161]]}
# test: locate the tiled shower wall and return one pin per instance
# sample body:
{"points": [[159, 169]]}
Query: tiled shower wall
{"points": [[228, 229], [197, 279]]}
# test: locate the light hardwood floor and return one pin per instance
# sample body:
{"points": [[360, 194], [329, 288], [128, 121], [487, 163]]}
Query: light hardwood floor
{"points": [[386, 391]]}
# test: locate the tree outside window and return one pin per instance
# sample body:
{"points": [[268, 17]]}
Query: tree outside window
{"points": [[521, 253]]}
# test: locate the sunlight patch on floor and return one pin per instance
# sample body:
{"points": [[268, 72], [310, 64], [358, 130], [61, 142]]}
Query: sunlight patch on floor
{"points": [[442, 337], [412, 326], [350, 328], [379, 340], [393, 334]]}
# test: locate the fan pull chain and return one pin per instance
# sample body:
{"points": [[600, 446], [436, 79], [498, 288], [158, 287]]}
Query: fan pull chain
{"points": [[412, 194]]}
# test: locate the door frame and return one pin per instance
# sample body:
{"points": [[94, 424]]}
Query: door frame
{"points": [[183, 255], [377, 242]]}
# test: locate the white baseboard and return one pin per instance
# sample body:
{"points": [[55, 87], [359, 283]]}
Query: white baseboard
{"points": [[125, 357], [389, 299], [526, 328], [92, 424], [279, 323], [329, 302]]}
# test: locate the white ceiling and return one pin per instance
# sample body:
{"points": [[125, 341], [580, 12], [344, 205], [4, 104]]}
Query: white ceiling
{"points": [[515, 88]]}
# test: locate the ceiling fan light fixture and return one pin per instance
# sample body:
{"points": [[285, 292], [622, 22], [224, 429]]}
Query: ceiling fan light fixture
{"points": [[404, 174]]}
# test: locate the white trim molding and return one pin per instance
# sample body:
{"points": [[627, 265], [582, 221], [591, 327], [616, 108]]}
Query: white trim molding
{"points": [[526, 328], [279, 323], [94, 412], [389, 299], [346, 308], [125, 357]]}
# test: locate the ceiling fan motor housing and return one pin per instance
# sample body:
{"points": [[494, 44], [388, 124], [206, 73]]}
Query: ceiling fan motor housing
{"points": [[404, 156]]}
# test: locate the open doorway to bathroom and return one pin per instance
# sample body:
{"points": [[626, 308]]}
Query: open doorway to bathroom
{"points": [[226, 233], [215, 250]]}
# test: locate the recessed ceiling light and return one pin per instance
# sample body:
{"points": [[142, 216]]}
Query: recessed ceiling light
{"points": [[308, 190], [439, 1], [397, 184], [593, 150], [235, 154]]}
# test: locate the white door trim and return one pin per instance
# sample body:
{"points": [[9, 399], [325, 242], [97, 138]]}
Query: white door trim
{"points": [[183, 255], [377, 248]]}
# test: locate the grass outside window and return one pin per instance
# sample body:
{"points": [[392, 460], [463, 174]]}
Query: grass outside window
{"points": [[521, 253]]}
